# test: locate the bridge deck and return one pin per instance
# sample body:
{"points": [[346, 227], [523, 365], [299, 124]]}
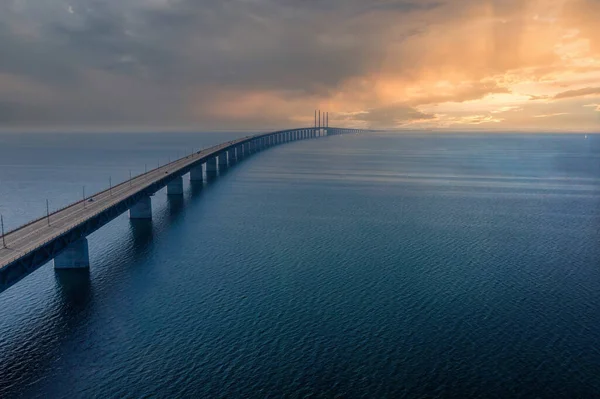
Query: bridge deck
{"points": [[28, 238]]}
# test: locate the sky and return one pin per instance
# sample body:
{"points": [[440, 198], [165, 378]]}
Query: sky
{"points": [[268, 64]]}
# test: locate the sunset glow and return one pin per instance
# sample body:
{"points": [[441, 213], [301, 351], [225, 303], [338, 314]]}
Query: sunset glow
{"points": [[501, 64]]}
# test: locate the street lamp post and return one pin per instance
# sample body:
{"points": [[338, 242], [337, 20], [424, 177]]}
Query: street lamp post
{"points": [[2, 224]]}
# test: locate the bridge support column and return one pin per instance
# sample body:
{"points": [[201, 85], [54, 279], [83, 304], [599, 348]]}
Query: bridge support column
{"points": [[141, 210], [223, 161], [232, 156], [175, 186], [211, 168], [75, 256], [196, 174]]}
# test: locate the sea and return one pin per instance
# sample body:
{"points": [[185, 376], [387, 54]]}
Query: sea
{"points": [[377, 265]]}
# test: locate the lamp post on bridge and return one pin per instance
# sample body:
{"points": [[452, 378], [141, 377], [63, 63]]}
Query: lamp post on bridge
{"points": [[48, 211], [110, 185], [83, 195], [2, 224]]}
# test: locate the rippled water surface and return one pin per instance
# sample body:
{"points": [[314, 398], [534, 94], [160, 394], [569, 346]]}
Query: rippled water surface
{"points": [[381, 265]]}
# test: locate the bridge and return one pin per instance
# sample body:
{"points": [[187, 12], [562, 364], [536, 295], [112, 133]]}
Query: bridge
{"points": [[61, 235]]}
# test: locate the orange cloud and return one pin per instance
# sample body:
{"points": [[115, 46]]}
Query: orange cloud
{"points": [[588, 91]]}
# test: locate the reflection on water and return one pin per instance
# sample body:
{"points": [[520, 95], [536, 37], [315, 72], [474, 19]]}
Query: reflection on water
{"points": [[74, 288]]}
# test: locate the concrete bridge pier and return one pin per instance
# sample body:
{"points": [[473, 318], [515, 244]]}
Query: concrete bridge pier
{"points": [[141, 210], [211, 168], [232, 155], [175, 186], [223, 161], [196, 174], [75, 256]]}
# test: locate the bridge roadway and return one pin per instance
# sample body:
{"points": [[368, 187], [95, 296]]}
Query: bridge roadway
{"points": [[34, 244]]}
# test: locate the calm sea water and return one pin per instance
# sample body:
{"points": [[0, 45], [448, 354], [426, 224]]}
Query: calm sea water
{"points": [[381, 265]]}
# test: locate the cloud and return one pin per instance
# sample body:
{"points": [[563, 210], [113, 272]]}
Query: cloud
{"points": [[551, 115], [466, 91], [472, 120], [395, 115], [595, 106], [588, 91], [270, 63]]}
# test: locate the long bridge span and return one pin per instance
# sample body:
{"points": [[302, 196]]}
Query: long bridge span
{"points": [[61, 235]]}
